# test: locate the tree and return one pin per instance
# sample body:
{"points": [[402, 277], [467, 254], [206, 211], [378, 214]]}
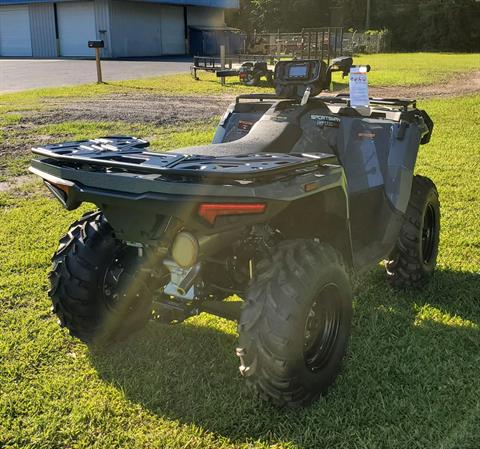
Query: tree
{"points": [[448, 25], [286, 16], [414, 24]]}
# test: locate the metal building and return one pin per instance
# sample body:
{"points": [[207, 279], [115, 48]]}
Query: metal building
{"points": [[129, 28]]}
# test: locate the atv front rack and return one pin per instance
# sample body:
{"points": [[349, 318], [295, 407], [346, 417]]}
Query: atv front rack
{"points": [[127, 154]]}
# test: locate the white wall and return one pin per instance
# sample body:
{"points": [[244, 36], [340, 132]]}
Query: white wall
{"points": [[15, 33], [76, 26]]}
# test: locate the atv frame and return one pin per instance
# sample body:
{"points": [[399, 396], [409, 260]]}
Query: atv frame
{"points": [[295, 195]]}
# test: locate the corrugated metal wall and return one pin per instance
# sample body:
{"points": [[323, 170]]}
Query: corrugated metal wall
{"points": [[42, 24], [128, 28], [42, 27], [102, 21]]}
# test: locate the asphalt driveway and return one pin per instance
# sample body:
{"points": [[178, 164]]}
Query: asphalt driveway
{"points": [[21, 74]]}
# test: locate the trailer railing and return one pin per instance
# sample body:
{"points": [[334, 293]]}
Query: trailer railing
{"points": [[214, 64]]}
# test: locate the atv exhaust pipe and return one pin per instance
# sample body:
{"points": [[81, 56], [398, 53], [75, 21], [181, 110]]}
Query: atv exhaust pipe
{"points": [[186, 253], [187, 283], [182, 280], [187, 250]]}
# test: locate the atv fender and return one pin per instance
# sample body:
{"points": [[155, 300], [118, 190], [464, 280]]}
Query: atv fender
{"points": [[326, 218]]}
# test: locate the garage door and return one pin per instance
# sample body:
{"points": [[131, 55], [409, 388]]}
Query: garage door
{"points": [[15, 39], [173, 30], [76, 26]]}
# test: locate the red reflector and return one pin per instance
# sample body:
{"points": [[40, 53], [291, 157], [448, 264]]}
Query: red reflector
{"points": [[210, 211], [63, 187]]}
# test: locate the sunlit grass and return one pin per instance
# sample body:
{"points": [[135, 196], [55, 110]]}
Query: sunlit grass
{"points": [[160, 137], [407, 69]]}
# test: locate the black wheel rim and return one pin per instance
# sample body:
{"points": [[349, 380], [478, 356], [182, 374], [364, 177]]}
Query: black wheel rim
{"points": [[118, 282], [321, 328], [429, 231]]}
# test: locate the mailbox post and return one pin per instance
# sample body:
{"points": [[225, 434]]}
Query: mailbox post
{"points": [[97, 45], [222, 61]]}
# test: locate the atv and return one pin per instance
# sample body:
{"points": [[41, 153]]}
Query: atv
{"points": [[297, 194], [250, 73]]}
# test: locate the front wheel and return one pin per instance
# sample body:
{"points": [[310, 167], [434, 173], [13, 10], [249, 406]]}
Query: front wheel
{"points": [[295, 324], [414, 258]]}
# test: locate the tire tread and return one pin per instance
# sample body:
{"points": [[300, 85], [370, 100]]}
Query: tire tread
{"points": [[274, 303]]}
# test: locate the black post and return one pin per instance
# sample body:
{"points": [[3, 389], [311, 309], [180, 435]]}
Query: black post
{"points": [[303, 43], [309, 44], [341, 42], [323, 44]]}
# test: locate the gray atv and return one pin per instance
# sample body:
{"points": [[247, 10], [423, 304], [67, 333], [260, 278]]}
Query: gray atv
{"points": [[297, 193]]}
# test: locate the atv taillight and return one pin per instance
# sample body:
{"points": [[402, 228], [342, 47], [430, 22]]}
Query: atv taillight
{"points": [[60, 191], [210, 211]]}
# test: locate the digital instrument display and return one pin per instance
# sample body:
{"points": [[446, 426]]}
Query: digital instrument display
{"points": [[298, 71]]}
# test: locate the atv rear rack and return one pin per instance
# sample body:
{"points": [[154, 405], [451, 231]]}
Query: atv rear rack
{"points": [[127, 154], [402, 104]]}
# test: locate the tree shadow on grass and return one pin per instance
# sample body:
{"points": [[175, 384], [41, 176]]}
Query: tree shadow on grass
{"points": [[410, 377]]}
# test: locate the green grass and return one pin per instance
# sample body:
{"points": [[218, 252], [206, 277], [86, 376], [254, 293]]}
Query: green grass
{"points": [[13, 165], [410, 380], [182, 84], [400, 69], [160, 138], [410, 69]]}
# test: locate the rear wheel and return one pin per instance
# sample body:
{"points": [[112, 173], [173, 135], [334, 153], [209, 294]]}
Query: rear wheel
{"points": [[414, 258], [96, 290], [295, 324]]}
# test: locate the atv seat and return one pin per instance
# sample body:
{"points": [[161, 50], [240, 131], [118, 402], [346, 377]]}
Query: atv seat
{"points": [[266, 136]]}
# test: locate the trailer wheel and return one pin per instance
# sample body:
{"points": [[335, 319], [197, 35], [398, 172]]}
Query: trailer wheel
{"points": [[270, 82], [295, 323], [414, 258], [95, 291], [253, 80]]}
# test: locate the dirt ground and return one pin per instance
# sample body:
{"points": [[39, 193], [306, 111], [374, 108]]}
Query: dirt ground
{"points": [[162, 110], [464, 84], [132, 108], [154, 109]]}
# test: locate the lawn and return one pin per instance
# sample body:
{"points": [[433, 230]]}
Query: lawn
{"points": [[414, 69], [411, 376], [399, 69]]}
